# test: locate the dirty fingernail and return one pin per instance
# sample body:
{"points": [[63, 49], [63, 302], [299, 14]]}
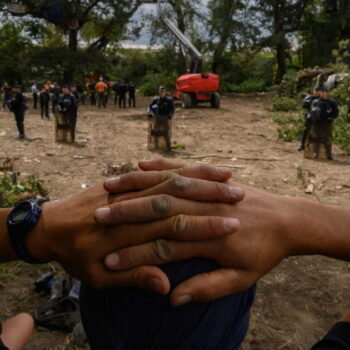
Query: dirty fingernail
{"points": [[183, 299], [112, 261], [102, 214]]}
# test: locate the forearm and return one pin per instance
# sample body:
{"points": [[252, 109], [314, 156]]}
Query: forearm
{"points": [[6, 251], [314, 228]]}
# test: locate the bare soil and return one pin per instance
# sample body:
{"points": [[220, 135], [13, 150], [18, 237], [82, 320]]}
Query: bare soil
{"points": [[296, 303]]}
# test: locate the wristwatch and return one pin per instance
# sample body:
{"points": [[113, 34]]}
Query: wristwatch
{"points": [[20, 221]]}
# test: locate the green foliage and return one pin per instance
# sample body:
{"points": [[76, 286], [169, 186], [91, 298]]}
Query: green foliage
{"points": [[290, 125], [285, 104], [13, 190], [342, 92], [248, 86], [151, 82]]}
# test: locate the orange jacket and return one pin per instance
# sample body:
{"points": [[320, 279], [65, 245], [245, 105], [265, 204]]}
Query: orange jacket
{"points": [[101, 86]]}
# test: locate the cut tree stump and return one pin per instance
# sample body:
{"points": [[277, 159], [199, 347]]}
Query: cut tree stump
{"points": [[158, 129], [63, 127]]}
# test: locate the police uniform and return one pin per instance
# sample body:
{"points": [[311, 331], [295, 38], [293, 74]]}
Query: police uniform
{"points": [[44, 98], [322, 114], [131, 92], [308, 122], [67, 107], [162, 109], [122, 89], [78, 98], [18, 107]]}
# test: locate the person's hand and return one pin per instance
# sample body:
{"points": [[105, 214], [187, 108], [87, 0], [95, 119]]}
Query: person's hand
{"points": [[68, 232], [245, 256]]}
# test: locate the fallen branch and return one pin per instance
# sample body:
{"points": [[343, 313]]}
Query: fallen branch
{"points": [[231, 157]]}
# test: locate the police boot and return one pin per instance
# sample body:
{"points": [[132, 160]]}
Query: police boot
{"points": [[303, 140], [328, 147]]}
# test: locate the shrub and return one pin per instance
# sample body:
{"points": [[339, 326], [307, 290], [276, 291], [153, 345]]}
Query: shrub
{"points": [[285, 104], [248, 86], [291, 126], [13, 190]]}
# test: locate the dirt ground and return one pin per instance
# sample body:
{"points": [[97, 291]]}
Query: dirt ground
{"points": [[296, 303]]}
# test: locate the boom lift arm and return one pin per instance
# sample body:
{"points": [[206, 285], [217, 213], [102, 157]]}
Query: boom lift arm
{"points": [[194, 64]]}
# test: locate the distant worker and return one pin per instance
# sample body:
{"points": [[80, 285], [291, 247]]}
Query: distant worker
{"points": [[34, 90], [308, 122], [78, 99], [132, 92], [122, 89], [324, 111], [81, 91], [17, 105], [7, 90], [44, 99], [161, 111], [101, 89], [65, 117]]}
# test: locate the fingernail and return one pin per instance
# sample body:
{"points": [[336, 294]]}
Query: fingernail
{"points": [[155, 284], [183, 299], [223, 171], [236, 192], [230, 224], [102, 213], [113, 182], [112, 261]]}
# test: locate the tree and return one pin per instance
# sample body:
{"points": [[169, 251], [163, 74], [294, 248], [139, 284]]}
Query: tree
{"points": [[70, 16], [280, 18]]}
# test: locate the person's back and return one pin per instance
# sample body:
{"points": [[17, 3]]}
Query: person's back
{"points": [[133, 319]]}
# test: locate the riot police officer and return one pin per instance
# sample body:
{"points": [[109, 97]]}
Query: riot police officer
{"points": [[308, 122], [44, 99], [323, 112], [17, 105], [132, 92], [78, 98], [162, 108], [122, 89], [66, 118]]}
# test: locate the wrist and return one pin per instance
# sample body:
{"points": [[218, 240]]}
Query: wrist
{"points": [[38, 240]]}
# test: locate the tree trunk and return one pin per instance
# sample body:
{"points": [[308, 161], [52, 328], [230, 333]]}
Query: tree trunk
{"points": [[279, 13], [281, 62], [73, 39]]}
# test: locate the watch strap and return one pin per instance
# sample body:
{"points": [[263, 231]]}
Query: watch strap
{"points": [[18, 233]]}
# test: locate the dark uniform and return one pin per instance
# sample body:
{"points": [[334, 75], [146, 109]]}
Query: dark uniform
{"points": [[322, 114], [55, 93], [308, 122], [44, 99], [162, 109], [80, 89], [67, 107], [131, 92], [115, 88], [18, 107], [7, 96], [92, 92], [78, 99], [122, 90]]}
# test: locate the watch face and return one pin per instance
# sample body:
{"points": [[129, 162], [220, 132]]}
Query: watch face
{"points": [[19, 215]]}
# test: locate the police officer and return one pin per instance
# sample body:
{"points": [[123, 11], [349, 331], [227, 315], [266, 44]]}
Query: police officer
{"points": [[55, 93], [162, 108], [131, 92], [115, 88], [44, 99], [92, 93], [308, 122], [6, 88], [122, 90], [322, 113], [67, 109], [34, 90], [78, 98], [18, 107]]}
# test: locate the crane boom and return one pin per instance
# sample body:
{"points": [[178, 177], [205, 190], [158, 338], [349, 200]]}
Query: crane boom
{"points": [[195, 64]]}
